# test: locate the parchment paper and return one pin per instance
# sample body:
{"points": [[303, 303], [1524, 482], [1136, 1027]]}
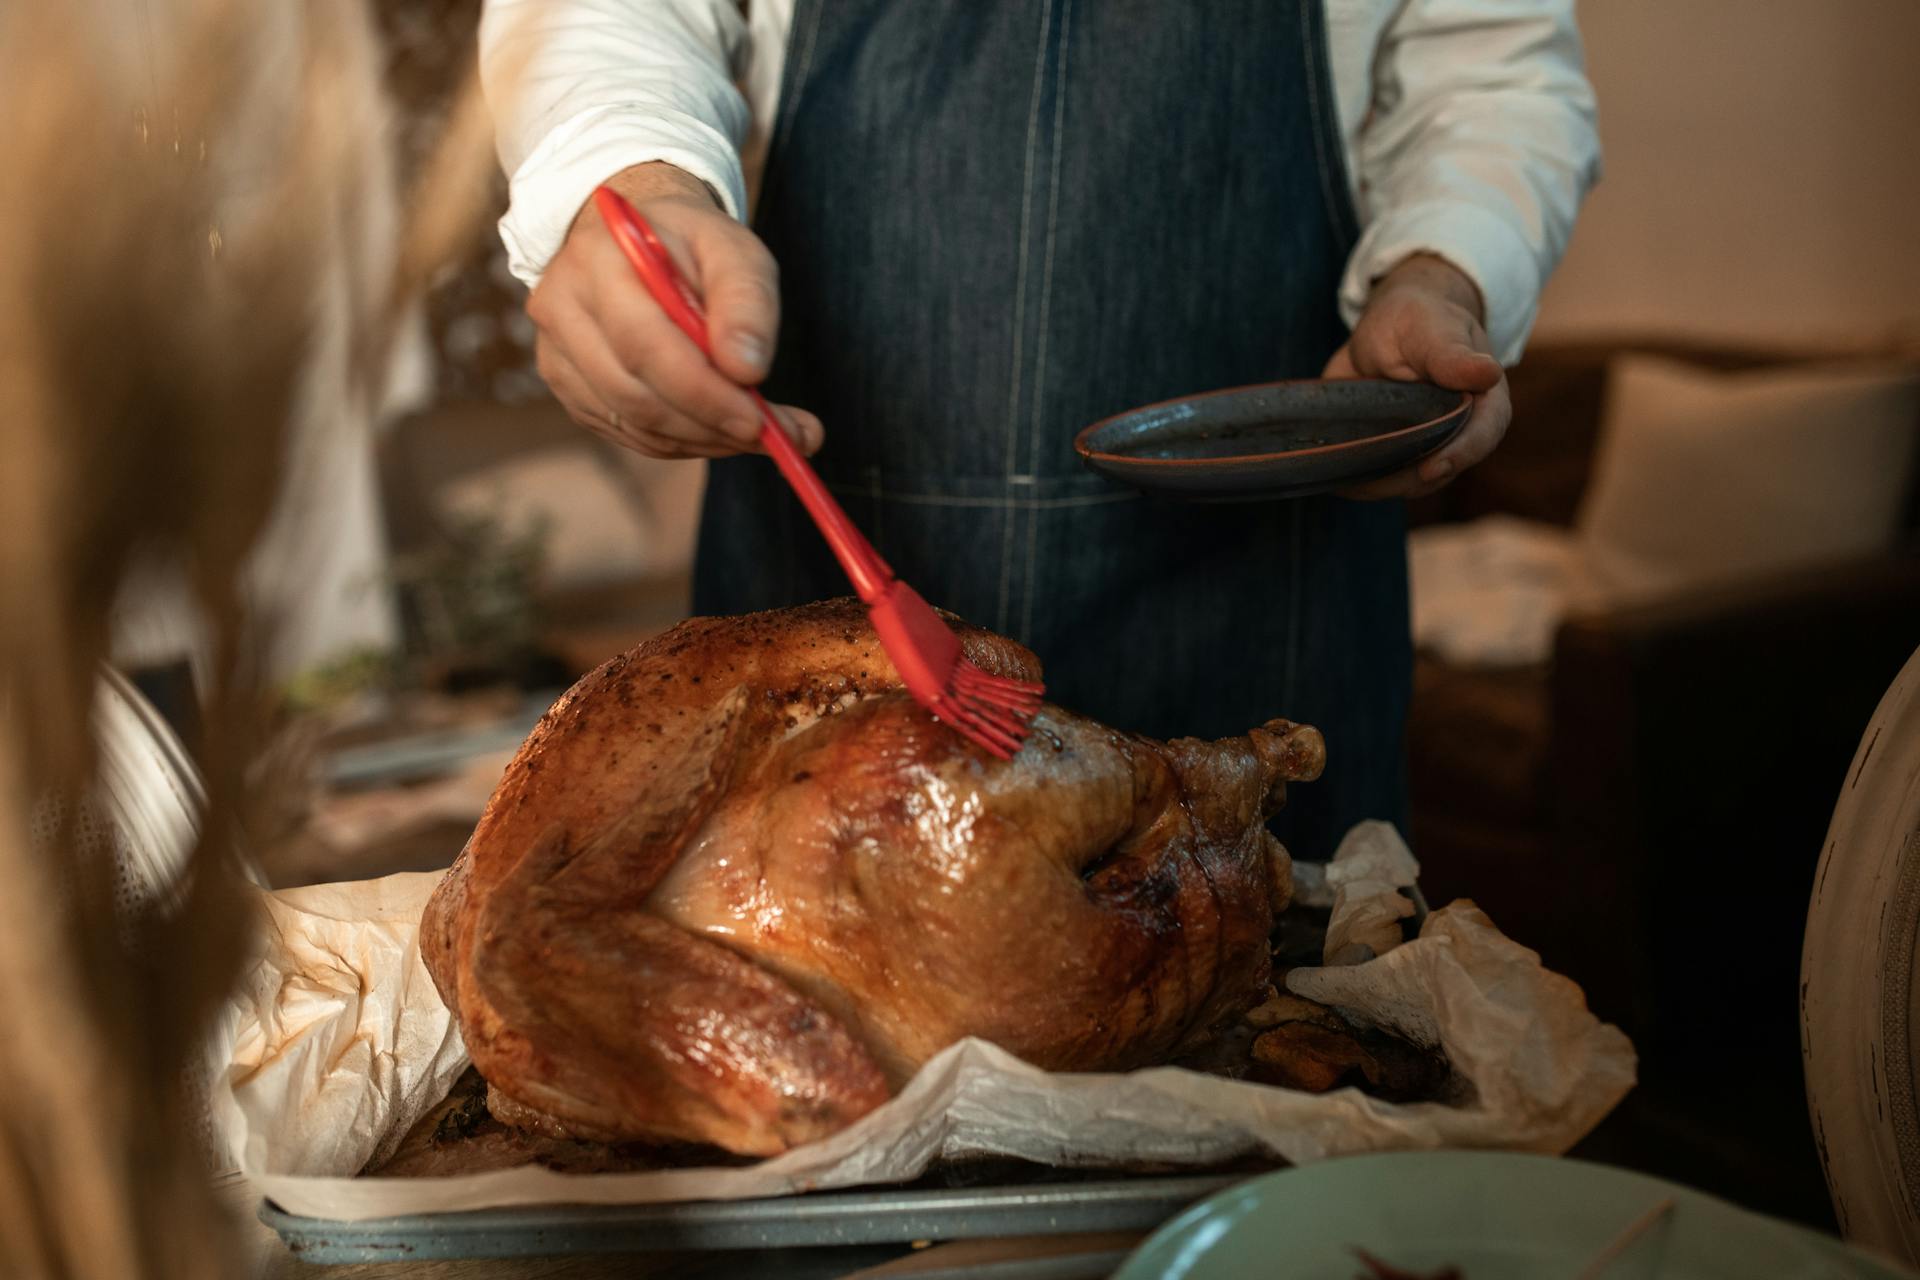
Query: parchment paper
{"points": [[340, 1043]]}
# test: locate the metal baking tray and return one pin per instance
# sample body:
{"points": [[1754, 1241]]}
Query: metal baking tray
{"points": [[819, 1219], [969, 1199]]}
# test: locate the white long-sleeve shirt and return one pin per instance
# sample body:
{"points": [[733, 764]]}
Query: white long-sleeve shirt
{"points": [[1468, 124]]}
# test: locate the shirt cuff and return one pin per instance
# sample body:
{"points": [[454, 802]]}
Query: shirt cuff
{"points": [[1493, 254], [549, 188]]}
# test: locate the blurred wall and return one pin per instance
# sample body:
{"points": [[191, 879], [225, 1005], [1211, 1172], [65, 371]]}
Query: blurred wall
{"points": [[1762, 172], [317, 579]]}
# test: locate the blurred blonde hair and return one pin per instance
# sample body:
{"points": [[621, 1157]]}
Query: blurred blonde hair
{"points": [[163, 234]]}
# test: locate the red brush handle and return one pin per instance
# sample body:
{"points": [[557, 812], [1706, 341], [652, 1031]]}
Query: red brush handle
{"points": [[868, 572]]}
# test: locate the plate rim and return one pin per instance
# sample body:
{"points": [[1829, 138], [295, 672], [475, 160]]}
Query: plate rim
{"points": [[1235, 1204], [1087, 453]]}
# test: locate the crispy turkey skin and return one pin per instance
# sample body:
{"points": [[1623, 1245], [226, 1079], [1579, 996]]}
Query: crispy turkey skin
{"points": [[737, 886]]}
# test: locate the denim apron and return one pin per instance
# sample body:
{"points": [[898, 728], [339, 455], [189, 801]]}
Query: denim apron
{"points": [[998, 222]]}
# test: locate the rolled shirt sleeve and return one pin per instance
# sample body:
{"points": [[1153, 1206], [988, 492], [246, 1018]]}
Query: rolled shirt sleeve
{"points": [[581, 89], [1479, 146]]}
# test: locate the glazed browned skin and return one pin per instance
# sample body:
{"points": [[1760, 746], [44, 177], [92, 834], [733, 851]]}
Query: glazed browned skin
{"points": [[737, 885]]}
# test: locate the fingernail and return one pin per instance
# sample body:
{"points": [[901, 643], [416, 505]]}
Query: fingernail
{"points": [[749, 349], [1439, 470]]}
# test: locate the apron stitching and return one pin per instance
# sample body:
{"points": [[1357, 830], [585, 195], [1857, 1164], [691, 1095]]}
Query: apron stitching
{"points": [[1310, 36], [1046, 303], [1026, 595], [1053, 223], [790, 94], [1009, 503], [1020, 303], [1291, 672]]}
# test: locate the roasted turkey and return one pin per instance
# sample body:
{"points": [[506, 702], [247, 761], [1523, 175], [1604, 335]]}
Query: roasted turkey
{"points": [[737, 886]]}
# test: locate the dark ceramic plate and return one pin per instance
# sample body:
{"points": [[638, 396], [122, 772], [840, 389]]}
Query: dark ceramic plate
{"points": [[1274, 440]]}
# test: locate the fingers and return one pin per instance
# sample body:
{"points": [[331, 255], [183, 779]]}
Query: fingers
{"points": [[1341, 365], [621, 367], [1413, 336], [802, 427], [1411, 333], [646, 391], [575, 393], [642, 421], [1458, 367], [1449, 351], [1485, 428], [623, 339], [741, 285]]}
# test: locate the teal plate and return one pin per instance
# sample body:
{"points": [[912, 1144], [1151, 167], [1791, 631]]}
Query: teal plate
{"points": [[1494, 1216]]}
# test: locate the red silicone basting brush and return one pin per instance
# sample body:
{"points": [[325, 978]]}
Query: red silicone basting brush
{"points": [[991, 710]]}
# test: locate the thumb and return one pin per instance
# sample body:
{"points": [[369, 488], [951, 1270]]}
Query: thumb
{"points": [[1452, 355], [1459, 367], [1341, 365], [740, 283]]}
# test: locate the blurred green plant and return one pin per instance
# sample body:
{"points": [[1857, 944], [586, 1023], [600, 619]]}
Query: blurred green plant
{"points": [[469, 614], [468, 601], [338, 681]]}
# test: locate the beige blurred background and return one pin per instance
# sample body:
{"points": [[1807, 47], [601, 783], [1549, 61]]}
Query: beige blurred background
{"points": [[1760, 177]]}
